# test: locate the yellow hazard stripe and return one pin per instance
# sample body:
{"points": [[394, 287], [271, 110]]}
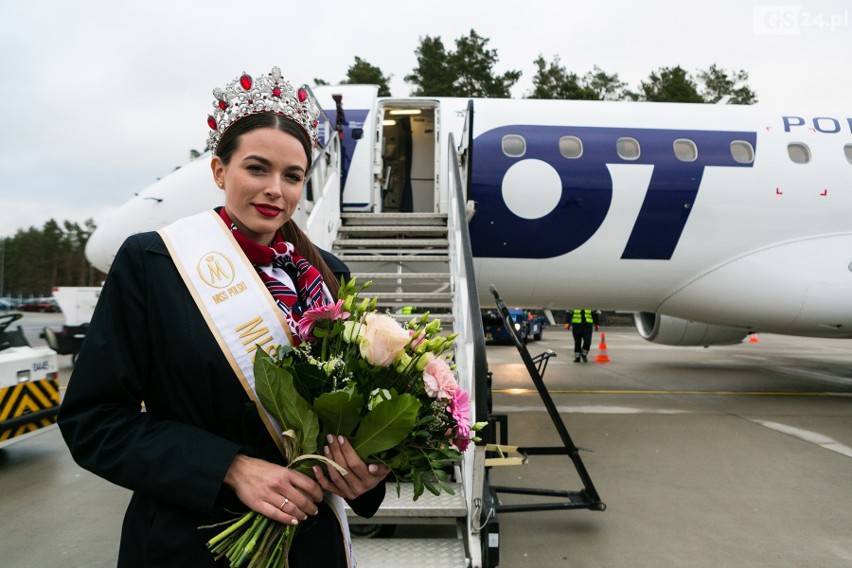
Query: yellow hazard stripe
{"points": [[27, 398]]}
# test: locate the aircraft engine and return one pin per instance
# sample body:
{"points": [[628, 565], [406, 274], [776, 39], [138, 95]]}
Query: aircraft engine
{"points": [[667, 330]]}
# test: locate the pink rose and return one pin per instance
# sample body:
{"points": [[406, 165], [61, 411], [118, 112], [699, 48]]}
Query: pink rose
{"points": [[383, 340], [439, 379]]}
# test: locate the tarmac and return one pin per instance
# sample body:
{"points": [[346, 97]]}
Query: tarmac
{"points": [[733, 456]]}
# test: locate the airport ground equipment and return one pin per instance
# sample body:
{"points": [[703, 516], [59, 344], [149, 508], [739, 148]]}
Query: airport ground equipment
{"points": [[528, 325], [29, 385], [503, 454], [77, 304]]}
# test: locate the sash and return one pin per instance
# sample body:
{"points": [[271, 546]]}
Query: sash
{"points": [[239, 310]]}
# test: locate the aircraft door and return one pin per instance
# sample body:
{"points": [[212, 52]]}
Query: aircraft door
{"points": [[423, 162], [407, 150]]}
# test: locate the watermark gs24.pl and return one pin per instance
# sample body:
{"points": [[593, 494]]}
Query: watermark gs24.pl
{"points": [[790, 20]]}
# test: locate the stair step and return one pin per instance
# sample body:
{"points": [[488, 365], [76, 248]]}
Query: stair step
{"points": [[420, 552], [410, 287], [402, 296], [444, 506], [431, 305], [397, 256], [365, 276], [394, 218], [391, 229], [402, 242], [444, 318]]}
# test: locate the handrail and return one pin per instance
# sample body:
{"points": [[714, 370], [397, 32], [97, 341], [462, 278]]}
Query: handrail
{"points": [[319, 210], [470, 351], [480, 362], [323, 114], [319, 153], [329, 137]]}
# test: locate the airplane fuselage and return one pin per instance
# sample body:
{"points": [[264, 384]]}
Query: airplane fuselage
{"points": [[733, 216]]}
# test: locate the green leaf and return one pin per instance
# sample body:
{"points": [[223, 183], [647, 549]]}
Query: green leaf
{"points": [[310, 378], [310, 429], [386, 425], [339, 411], [418, 485], [269, 382], [277, 392]]}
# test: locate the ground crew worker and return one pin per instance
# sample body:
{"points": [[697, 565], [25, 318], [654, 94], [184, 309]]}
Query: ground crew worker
{"points": [[580, 323]]}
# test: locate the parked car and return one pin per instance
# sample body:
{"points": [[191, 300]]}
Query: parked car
{"points": [[6, 305], [39, 306]]}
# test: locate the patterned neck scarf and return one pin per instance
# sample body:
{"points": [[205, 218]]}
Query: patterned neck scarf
{"points": [[279, 266]]}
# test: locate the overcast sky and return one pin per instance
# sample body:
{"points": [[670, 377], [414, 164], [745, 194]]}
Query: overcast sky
{"points": [[101, 97]]}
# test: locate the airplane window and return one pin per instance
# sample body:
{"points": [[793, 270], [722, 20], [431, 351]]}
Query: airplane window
{"points": [[685, 150], [514, 146], [742, 151], [570, 147], [799, 153], [628, 148], [848, 151]]}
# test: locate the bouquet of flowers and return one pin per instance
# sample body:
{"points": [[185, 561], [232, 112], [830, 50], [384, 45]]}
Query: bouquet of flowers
{"points": [[388, 388]]}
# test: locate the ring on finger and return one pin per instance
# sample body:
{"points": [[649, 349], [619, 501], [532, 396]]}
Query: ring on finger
{"points": [[281, 507]]}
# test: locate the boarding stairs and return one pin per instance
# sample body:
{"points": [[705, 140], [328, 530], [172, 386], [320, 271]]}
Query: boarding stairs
{"points": [[406, 257]]}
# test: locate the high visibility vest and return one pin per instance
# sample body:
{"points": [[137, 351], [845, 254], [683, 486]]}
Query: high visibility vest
{"points": [[581, 316]]}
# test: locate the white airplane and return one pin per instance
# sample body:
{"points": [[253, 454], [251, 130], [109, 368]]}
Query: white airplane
{"points": [[707, 221]]}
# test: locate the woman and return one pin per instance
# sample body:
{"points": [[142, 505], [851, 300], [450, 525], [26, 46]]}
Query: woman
{"points": [[201, 453]]}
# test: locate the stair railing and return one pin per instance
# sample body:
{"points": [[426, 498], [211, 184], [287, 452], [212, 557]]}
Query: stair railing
{"points": [[470, 355], [318, 213]]}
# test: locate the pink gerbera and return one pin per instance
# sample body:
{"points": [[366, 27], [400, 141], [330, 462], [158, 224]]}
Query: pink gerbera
{"points": [[310, 318], [460, 409]]}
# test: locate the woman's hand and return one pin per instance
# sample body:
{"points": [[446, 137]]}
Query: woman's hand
{"points": [[276, 492], [360, 477]]}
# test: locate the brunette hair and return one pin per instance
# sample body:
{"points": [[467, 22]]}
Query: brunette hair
{"points": [[290, 230]]}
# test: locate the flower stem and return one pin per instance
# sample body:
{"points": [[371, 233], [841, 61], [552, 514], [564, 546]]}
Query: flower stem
{"points": [[242, 521], [256, 531]]}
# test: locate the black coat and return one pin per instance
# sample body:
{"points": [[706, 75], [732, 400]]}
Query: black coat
{"points": [[148, 342]]}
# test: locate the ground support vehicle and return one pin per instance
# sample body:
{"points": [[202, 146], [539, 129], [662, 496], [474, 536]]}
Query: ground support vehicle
{"points": [[29, 385], [527, 326], [78, 305]]}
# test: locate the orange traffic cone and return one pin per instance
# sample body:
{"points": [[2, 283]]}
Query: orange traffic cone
{"points": [[752, 338], [602, 354]]}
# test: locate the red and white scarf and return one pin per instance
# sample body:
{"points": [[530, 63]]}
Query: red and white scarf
{"points": [[274, 264]]}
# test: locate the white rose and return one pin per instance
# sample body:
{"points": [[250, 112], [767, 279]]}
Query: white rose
{"points": [[383, 340]]}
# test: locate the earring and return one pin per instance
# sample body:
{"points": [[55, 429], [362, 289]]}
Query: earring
{"points": [[221, 184]]}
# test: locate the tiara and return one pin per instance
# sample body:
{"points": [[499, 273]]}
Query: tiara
{"points": [[245, 96]]}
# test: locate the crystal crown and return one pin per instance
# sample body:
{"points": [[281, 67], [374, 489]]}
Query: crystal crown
{"points": [[245, 96]]}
